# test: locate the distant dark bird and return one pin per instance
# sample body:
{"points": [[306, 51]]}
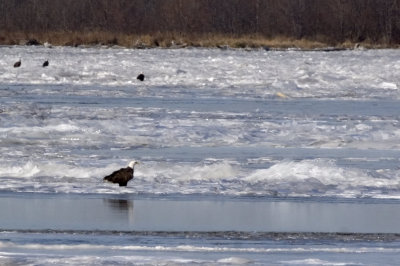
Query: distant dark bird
{"points": [[122, 176], [32, 42], [18, 63], [46, 63], [140, 77]]}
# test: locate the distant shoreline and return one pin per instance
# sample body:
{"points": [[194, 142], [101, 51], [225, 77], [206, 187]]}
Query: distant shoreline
{"points": [[173, 40]]}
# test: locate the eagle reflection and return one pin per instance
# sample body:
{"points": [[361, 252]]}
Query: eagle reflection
{"points": [[122, 207]]}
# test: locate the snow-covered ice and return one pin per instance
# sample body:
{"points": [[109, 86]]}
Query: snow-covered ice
{"points": [[208, 121]]}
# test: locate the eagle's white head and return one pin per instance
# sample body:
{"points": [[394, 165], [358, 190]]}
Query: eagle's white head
{"points": [[132, 164]]}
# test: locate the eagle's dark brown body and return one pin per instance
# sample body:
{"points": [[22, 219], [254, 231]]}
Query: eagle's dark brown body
{"points": [[121, 176]]}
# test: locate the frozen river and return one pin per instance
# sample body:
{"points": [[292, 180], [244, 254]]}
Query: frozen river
{"points": [[207, 125]]}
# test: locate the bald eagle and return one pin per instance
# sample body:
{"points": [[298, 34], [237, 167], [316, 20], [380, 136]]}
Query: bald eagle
{"points": [[140, 77], [46, 63], [122, 176], [18, 63]]}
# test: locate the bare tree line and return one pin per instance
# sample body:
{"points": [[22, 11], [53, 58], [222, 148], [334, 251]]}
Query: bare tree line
{"points": [[330, 21]]}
